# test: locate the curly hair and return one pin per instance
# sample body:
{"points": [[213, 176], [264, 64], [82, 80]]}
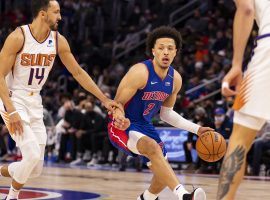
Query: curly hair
{"points": [[163, 32]]}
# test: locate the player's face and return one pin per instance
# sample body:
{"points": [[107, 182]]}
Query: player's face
{"points": [[164, 51], [53, 15]]}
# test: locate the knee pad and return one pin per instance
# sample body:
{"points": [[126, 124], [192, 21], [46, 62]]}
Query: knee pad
{"points": [[20, 171]]}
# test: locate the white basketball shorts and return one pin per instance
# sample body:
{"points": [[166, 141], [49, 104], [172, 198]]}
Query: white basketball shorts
{"points": [[254, 95], [30, 109]]}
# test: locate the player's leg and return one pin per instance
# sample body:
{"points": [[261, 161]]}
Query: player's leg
{"points": [[233, 166], [153, 191], [40, 134], [144, 145], [21, 171]]}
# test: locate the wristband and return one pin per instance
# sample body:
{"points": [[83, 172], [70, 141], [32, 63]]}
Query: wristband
{"points": [[12, 113]]}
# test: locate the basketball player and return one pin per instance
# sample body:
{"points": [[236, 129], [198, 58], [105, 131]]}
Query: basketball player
{"points": [[251, 105], [147, 88], [25, 62]]}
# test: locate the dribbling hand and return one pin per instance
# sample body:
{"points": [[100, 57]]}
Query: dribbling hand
{"points": [[203, 130]]}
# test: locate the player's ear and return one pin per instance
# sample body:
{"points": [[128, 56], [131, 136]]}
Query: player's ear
{"points": [[153, 52], [42, 13]]}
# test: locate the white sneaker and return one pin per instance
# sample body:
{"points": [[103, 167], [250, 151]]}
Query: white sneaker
{"points": [[78, 161], [92, 162], [197, 194], [87, 156]]}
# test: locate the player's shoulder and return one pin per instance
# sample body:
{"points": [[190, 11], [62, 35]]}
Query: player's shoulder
{"points": [[15, 41], [137, 75], [139, 70], [17, 35]]}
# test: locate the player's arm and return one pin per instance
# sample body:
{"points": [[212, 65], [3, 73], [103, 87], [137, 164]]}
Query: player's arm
{"points": [[80, 75], [242, 26], [135, 79], [168, 115], [12, 46]]}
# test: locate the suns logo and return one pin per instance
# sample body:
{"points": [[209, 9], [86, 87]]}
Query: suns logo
{"points": [[37, 59]]}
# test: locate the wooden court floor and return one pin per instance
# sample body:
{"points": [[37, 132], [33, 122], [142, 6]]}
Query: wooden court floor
{"points": [[114, 185]]}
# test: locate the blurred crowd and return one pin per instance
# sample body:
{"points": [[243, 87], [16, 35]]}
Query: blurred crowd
{"points": [[76, 122]]}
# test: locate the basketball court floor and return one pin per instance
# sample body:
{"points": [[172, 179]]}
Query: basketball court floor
{"points": [[64, 183]]}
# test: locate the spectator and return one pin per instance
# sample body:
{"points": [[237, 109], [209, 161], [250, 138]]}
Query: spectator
{"points": [[223, 125]]}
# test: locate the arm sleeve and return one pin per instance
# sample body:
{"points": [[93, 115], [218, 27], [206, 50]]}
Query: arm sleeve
{"points": [[171, 117]]}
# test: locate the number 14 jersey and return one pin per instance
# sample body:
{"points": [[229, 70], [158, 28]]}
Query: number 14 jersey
{"points": [[33, 63]]}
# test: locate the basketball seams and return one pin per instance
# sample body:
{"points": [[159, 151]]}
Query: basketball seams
{"points": [[212, 142], [204, 145], [219, 147], [210, 154], [207, 155]]}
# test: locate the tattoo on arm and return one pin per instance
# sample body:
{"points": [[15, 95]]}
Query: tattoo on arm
{"points": [[231, 165]]}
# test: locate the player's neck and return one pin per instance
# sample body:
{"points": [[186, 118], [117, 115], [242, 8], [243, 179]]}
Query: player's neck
{"points": [[161, 72], [39, 31]]}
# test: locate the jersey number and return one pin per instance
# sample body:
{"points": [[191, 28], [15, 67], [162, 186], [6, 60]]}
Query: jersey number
{"points": [[149, 108], [38, 73]]}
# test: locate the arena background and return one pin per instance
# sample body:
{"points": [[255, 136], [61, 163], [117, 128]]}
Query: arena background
{"points": [[107, 37]]}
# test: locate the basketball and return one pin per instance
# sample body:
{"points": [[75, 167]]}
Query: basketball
{"points": [[211, 146]]}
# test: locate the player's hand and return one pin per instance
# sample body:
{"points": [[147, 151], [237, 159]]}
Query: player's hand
{"points": [[232, 78], [121, 123], [202, 130], [110, 105], [15, 123]]}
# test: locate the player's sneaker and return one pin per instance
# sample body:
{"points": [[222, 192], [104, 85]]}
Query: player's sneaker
{"points": [[142, 198], [78, 161], [197, 194], [10, 199]]}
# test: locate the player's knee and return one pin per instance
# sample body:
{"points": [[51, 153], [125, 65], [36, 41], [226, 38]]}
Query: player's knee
{"points": [[31, 153], [34, 157], [152, 149], [37, 170]]}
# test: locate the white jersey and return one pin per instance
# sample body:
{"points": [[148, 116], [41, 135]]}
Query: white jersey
{"points": [[262, 15], [33, 63]]}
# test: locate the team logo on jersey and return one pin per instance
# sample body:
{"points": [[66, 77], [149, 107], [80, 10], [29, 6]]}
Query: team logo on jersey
{"points": [[167, 83], [37, 59], [156, 95], [50, 43]]}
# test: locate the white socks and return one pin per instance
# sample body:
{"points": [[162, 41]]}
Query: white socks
{"points": [[179, 191], [13, 193], [149, 196]]}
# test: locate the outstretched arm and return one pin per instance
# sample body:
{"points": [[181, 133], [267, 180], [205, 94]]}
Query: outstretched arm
{"points": [[80, 75], [242, 26], [168, 115]]}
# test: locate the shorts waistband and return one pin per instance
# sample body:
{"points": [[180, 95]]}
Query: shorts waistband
{"points": [[23, 92], [262, 36]]}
